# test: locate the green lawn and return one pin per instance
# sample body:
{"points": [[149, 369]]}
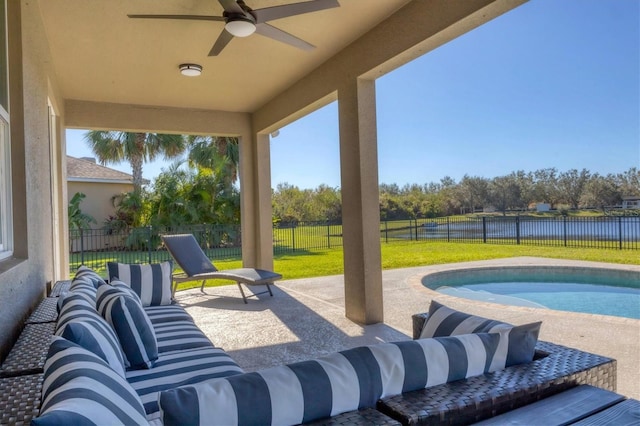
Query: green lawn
{"points": [[407, 254]]}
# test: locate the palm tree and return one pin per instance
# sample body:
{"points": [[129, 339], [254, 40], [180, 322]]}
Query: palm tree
{"points": [[113, 147], [219, 154]]}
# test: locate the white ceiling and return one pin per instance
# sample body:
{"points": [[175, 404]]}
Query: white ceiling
{"points": [[101, 55]]}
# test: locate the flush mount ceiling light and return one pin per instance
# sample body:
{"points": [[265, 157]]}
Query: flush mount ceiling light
{"points": [[240, 26], [190, 70]]}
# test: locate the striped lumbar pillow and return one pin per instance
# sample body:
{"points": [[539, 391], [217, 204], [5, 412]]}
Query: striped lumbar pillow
{"points": [[518, 342], [151, 282], [80, 388], [328, 386], [131, 324]]}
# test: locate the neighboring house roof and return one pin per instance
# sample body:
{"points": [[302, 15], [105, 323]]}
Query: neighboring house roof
{"points": [[86, 170]]}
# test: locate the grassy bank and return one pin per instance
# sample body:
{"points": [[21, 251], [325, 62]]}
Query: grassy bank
{"points": [[408, 254]]}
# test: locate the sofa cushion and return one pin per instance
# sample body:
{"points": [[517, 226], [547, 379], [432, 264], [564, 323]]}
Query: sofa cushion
{"points": [[519, 341], [80, 388], [98, 337], [167, 313], [179, 335], [177, 369], [85, 287], [131, 324], [340, 382], [151, 282], [89, 274]]}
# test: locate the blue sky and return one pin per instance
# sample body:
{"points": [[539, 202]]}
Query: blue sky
{"points": [[549, 84]]}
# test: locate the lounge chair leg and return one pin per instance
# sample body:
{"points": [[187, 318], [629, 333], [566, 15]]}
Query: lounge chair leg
{"points": [[202, 286], [242, 291], [269, 288]]}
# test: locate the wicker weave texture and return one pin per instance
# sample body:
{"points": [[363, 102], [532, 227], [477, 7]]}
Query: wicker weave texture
{"points": [[477, 398], [47, 311], [20, 399], [30, 351], [364, 417], [60, 287]]}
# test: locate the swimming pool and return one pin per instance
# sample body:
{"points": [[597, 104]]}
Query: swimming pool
{"points": [[587, 290]]}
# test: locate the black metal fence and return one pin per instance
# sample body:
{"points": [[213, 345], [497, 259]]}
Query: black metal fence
{"points": [[96, 246], [611, 232]]}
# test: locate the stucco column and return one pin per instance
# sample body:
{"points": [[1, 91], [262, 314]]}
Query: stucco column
{"points": [[360, 202], [255, 202]]}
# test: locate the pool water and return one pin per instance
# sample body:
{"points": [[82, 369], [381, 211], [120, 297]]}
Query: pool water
{"points": [[564, 296], [605, 291]]}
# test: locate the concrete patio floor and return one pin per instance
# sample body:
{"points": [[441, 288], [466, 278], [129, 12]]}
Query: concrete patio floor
{"points": [[305, 319]]}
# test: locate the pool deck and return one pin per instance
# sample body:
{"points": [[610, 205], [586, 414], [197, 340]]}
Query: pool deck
{"points": [[306, 318]]}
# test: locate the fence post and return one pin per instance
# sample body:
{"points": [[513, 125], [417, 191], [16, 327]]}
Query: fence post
{"points": [[81, 246], [416, 229], [448, 230], [564, 227], [484, 229], [328, 235], [386, 231], [149, 242], [620, 231], [293, 237], [517, 229]]}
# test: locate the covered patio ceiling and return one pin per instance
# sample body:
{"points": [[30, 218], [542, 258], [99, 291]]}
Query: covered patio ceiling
{"points": [[101, 55], [114, 72]]}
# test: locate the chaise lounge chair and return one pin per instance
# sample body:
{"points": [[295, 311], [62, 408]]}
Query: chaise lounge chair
{"points": [[196, 266]]}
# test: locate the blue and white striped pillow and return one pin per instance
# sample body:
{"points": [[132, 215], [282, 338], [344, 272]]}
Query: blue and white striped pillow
{"points": [[96, 336], [80, 388], [131, 324], [89, 274], [151, 282], [518, 342], [125, 288], [85, 287], [334, 384], [73, 306]]}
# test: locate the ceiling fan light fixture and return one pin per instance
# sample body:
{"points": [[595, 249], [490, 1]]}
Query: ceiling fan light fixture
{"points": [[240, 27], [190, 70]]}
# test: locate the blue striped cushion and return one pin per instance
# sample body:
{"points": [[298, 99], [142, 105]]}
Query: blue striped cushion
{"points": [[334, 384], [74, 307], [518, 341], [167, 313], [131, 324], [80, 388], [85, 287], [89, 274], [98, 337], [180, 335], [178, 369], [151, 282], [125, 288]]}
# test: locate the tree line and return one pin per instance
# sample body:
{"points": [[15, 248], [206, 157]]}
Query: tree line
{"points": [[518, 191]]}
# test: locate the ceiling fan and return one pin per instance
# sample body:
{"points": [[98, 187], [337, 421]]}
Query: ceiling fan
{"points": [[242, 21]]}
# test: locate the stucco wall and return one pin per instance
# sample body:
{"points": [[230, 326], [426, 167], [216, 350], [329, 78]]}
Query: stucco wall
{"points": [[97, 202], [23, 279]]}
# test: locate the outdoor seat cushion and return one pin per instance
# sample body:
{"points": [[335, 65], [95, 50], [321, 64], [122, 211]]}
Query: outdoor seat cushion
{"points": [[179, 335], [152, 282], [177, 369], [331, 385], [80, 388], [520, 341], [167, 313], [89, 274]]}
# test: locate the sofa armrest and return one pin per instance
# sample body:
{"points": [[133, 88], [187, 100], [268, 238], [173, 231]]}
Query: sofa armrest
{"points": [[555, 369], [418, 323]]}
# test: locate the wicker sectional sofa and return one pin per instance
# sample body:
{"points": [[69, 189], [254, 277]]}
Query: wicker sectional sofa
{"points": [[187, 380]]}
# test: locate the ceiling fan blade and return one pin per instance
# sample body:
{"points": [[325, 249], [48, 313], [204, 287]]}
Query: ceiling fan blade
{"points": [[223, 39], [186, 17], [231, 6], [277, 12], [282, 36]]}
